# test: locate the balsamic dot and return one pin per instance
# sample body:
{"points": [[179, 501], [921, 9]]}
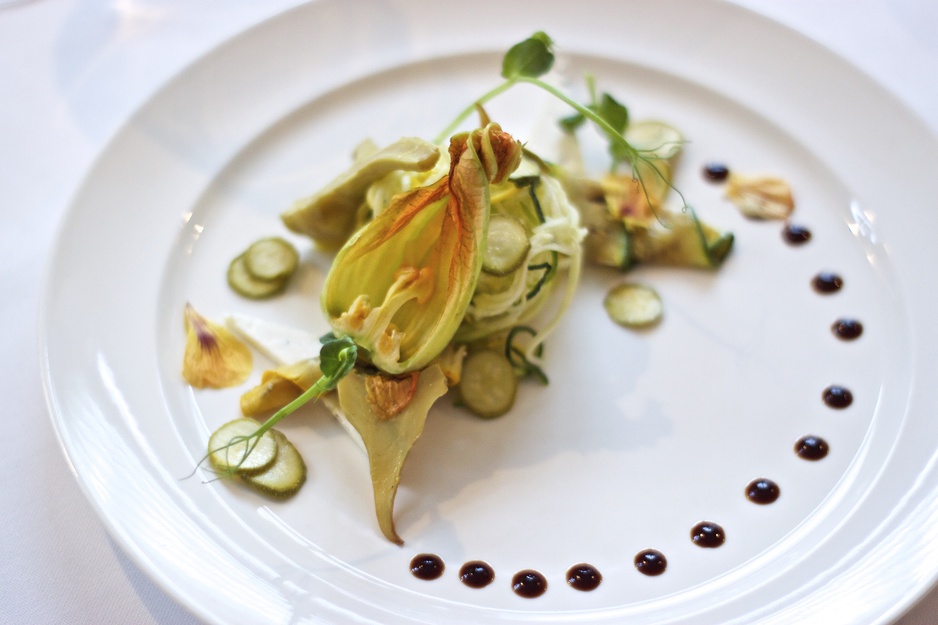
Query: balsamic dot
{"points": [[827, 282], [811, 447], [476, 574], [707, 534], [762, 491], [427, 566], [847, 329], [650, 562], [716, 172], [837, 397], [584, 577], [529, 584], [795, 234]]}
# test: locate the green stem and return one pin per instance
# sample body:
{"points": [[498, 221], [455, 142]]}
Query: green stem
{"points": [[579, 108], [603, 125], [322, 386], [469, 110]]}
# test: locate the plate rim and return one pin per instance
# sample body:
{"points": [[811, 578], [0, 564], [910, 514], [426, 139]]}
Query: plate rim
{"points": [[129, 543]]}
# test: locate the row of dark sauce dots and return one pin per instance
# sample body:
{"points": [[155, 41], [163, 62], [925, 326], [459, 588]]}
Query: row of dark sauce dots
{"points": [[811, 447], [530, 583], [527, 583]]}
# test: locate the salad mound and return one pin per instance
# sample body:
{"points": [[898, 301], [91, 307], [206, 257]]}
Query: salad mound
{"points": [[455, 259]]}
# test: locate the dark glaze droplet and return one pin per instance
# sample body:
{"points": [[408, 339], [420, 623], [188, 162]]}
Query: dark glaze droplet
{"points": [[529, 584], [716, 172], [847, 329], [827, 282], [650, 562], [707, 534], [476, 574], [795, 234], [837, 397], [811, 447], [584, 577], [762, 491], [427, 566]]}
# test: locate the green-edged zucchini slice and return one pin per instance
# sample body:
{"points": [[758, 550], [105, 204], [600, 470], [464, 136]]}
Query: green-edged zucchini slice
{"points": [[271, 259], [246, 284], [252, 455], [488, 384], [507, 245], [634, 305], [285, 476]]}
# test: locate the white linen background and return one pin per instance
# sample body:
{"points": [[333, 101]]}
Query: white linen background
{"points": [[71, 72]]}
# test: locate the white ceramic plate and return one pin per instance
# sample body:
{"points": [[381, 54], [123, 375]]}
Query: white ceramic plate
{"points": [[638, 437]]}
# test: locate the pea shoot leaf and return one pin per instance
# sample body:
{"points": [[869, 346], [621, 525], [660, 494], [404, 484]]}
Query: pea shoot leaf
{"points": [[615, 113], [336, 358], [608, 108], [572, 122], [530, 58]]}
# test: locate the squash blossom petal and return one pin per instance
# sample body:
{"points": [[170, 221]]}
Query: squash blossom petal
{"points": [[400, 286], [213, 357]]}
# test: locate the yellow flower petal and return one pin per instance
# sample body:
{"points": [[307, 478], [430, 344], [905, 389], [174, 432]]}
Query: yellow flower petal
{"points": [[214, 357]]}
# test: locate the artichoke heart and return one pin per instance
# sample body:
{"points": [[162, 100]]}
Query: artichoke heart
{"points": [[280, 386], [389, 414], [330, 216], [400, 286]]}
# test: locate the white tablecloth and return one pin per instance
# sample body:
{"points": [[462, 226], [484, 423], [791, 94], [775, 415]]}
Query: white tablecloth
{"points": [[70, 72]]}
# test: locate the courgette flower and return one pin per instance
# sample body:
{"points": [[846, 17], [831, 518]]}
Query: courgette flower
{"points": [[400, 286]]}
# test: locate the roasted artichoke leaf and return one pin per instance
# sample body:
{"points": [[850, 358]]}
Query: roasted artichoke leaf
{"points": [[330, 216], [389, 438], [679, 240], [280, 386]]}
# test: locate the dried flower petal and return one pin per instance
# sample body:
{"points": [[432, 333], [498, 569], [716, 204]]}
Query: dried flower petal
{"points": [[761, 197], [214, 357]]}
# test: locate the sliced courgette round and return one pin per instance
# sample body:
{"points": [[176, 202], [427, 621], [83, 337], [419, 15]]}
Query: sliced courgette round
{"points": [[506, 245], [489, 284], [488, 384], [244, 283], [251, 455], [657, 139], [634, 305], [285, 476], [271, 259]]}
